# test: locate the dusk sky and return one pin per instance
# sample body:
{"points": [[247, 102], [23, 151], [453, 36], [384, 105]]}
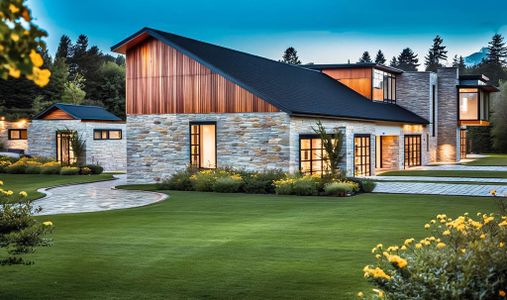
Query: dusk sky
{"points": [[322, 31]]}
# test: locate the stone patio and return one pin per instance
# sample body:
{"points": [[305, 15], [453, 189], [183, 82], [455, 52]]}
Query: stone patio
{"points": [[91, 197]]}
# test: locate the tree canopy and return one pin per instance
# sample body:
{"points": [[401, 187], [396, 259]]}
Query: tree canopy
{"points": [[290, 56]]}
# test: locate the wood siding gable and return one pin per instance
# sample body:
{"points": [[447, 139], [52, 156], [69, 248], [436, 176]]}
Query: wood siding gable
{"points": [[56, 114], [162, 80]]}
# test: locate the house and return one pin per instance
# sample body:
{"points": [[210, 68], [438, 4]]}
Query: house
{"points": [[194, 103], [102, 132], [13, 135]]}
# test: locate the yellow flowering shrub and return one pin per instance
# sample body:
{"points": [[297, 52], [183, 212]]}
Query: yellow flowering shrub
{"points": [[301, 186], [20, 232], [462, 258]]}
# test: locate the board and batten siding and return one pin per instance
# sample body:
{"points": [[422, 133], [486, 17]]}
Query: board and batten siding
{"points": [[162, 80]]}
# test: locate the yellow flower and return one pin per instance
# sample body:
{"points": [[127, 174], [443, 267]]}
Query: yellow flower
{"points": [[488, 219], [373, 250], [36, 58], [418, 246], [432, 221], [463, 250], [13, 72], [441, 245], [13, 8], [501, 293], [360, 294], [39, 77], [408, 242], [379, 246], [378, 256], [1, 182], [23, 194], [493, 192], [446, 233], [392, 248], [26, 15], [501, 245], [397, 261], [403, 248], [426, 226], [380, 293], [14, 37], [47, 223], [483, 236]]}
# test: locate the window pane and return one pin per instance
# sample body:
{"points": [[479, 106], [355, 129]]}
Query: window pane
{"points": [[104, 134], [15, 134], [24, 134], [97, 134], [468, 105], [208, 146], [115, 134]]}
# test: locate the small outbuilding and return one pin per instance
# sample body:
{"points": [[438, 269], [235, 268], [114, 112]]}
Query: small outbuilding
{"points": [[102, 133], [13, 136]]}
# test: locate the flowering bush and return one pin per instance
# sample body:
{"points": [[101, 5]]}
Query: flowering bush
{"points": [[463, 258], [69, 171], [261, 182], [340, 188], [20, 233], [228, 184], [51, 168], [301, 186], [85, 171], [203, 181]]}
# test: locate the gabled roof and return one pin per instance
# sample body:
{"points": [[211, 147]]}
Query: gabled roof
{"points": [[354, 66], [81, 112], [293, 89]]}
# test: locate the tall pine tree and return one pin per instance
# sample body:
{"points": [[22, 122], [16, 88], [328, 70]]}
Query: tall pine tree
{"points": [[64, 48], [365, 58], [459, 62], [290, 56], [407, 60], [393, 62], [436, 54], [380, 58]]}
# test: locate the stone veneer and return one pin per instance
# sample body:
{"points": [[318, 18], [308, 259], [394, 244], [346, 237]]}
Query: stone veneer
{"points": [[110, 154], [4, 135], [158, 145], [448, 130]]}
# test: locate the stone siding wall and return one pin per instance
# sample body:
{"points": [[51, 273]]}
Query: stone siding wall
{"points": [[448, 130], [4, 135], [110, 154], [158, 145]]}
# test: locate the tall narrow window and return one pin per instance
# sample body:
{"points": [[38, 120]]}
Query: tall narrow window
{"points": [[313, 157], [203, 153], [463, 143], [362, 155], [64, 151], [412, 150], [433, 110]]}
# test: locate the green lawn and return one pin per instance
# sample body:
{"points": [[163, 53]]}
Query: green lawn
{"points": [[209, 245], [447, 173], [490, 160], [30, 183]]}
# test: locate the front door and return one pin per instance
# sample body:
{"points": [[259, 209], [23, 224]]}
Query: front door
{"points": [[362, 155], [64, 153], [412, 150]]}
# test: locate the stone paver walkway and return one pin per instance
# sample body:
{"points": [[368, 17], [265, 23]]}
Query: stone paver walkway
{"points": [[437, 179], [439, 188], [461, 168], [96, 196]]}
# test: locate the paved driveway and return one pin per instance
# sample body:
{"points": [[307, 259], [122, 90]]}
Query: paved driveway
{"points": [[96, 196]]}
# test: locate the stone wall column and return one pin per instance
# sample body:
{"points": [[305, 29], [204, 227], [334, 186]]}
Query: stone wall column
{"points": [[448, 134]]}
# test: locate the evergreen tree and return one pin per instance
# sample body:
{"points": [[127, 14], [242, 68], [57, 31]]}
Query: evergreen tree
{"points": [[380, 58], [64, 48], [290, 56], [78, 57], [436, 54], [497, 52], [407, 60], [393, 62], [73, 91], [365, 58], [459, 62], [60, 75], [112, 88]]}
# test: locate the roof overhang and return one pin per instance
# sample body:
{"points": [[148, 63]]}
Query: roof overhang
{"points": [[357, 119], [132, 40], [484, 87], [353, 66]]}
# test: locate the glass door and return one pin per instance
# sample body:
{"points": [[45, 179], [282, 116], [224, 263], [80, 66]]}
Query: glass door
{"points": [[412, 151], [64, 152]]}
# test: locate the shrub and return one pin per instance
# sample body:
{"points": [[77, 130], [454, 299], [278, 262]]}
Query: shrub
{"points": [[261, 183], [96, 169], [367, 186], [228, 184], [85, 171], [203, 181], [18, 167], [3, 165], [179, 181], [464, 258], [33, 167], [69, 171], [338, 188], [51, 168], [301, 186]]}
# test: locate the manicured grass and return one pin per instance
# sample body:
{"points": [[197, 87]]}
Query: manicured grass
{"points": [[232, 246], [31, 182], [447, 173], [490, 160]]}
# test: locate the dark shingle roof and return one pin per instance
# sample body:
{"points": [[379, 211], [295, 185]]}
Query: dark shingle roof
{"points": [[293, 89], [82, 112], [355, 66]]}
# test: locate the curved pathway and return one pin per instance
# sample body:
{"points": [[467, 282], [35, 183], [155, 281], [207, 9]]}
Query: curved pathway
{"points": [[95, 196], [431, 188]]}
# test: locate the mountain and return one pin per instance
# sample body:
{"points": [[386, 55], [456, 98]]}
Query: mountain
{"points": [[476, 58]]}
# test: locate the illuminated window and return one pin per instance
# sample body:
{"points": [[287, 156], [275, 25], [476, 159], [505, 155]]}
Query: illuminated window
{"points": [[203, 152], [64, 152], [412, 150], [468, 104], [107, 134], [384, 86], [18, 134], [313, 157], [362, 155]]}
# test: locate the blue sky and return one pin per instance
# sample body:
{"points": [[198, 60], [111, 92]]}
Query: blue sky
{"points": [[323, 31]]}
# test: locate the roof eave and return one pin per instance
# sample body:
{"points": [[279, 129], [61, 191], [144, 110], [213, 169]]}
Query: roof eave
{"points": [[300, 114]]}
